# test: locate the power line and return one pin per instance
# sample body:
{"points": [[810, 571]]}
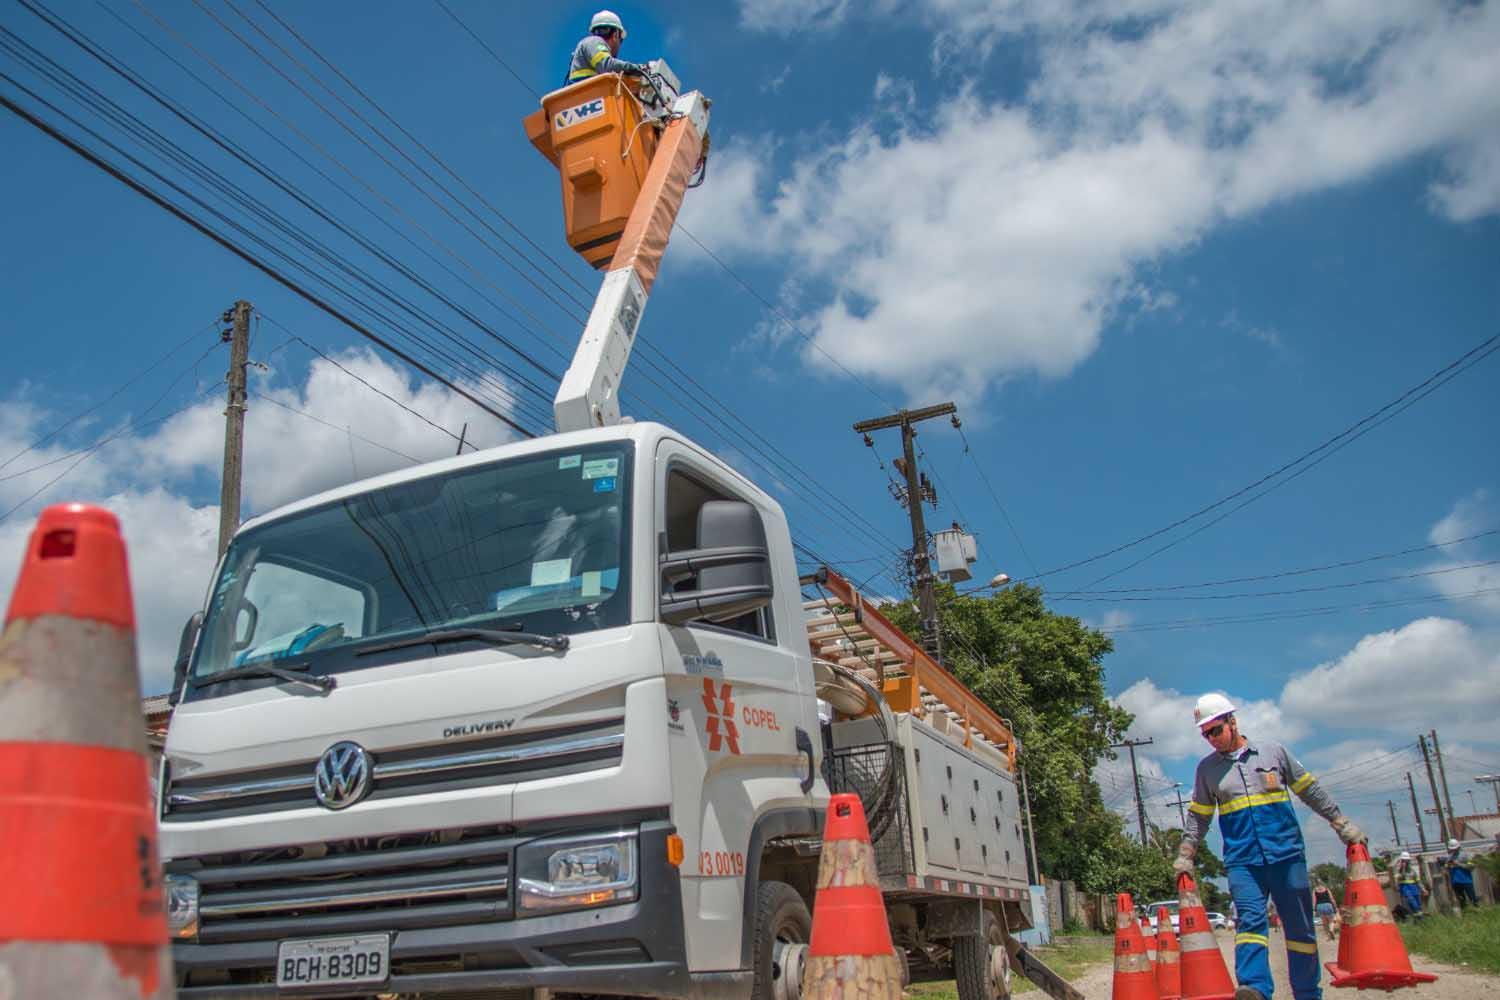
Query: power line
{"points": [[1113, 599], [343, 430], [1323, 451], [995, 496], [1289, 614], [1298, 572]]}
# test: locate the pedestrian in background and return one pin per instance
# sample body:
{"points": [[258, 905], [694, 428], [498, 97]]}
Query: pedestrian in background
{"points": [[1250, 784], [1408, 878]]}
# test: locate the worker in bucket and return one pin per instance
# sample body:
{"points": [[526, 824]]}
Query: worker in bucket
{"points": [[598, 50], [1460, 874], [1250, 784], [1408, 879]]}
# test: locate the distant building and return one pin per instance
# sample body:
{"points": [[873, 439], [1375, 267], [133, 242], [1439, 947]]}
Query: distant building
{"points": [[1484, 826], [157, 714]]}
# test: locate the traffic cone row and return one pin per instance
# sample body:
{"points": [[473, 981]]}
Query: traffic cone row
{"points": [[84, 907], [1134, 978], [1203, 973], [1149, 937], [1168, 958], [850, 954], [1371, 953]]}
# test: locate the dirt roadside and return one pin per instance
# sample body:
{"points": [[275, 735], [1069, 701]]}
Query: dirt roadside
{"points": [[1453, 983]]}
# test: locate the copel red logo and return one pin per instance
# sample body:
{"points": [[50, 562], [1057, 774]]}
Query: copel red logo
{"points": [[759, 718], [719, 724]]}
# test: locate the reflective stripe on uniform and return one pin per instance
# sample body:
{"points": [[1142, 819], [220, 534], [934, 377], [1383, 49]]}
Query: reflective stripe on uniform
{"points": [[1303, 782], [1247, 801], [1200, 809], [581, 74], [1304, 947], [598, 57], [1259, 939]]}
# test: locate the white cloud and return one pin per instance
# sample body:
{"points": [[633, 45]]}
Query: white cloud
{"points": [[1166, 716], [1457, 575], [1432, 670], [162, 484], [1007, 237], [791, 16]]}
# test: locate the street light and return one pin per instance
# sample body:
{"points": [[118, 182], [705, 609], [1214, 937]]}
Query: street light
{"points": [[999, 580]]}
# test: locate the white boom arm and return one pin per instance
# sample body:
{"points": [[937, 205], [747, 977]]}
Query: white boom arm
{"points": [[588, 395]]}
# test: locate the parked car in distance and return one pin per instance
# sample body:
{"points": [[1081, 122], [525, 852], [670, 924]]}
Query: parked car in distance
{"points": [[1219, 922]]}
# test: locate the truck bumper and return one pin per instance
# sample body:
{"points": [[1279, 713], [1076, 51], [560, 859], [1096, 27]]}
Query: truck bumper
{"points": [[631, 948]]}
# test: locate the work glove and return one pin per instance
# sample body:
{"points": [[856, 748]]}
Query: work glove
{"points": [[635, 69], [1348, 832], [1183, 864]]}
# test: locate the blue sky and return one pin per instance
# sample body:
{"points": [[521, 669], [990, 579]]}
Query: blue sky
{"points": [[1153, 252]]}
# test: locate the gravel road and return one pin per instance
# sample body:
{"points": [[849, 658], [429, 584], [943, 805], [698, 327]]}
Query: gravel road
{"points": [[1453, 983]]}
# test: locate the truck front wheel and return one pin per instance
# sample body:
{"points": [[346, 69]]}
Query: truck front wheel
{"points": [[782, 929], [981, 965]]}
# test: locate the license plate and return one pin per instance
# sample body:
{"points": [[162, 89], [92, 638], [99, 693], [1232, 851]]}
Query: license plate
{"points": [[365, 958]]}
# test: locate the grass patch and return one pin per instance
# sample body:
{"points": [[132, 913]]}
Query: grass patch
{"points": [[1472, 940], [1067, 960]]}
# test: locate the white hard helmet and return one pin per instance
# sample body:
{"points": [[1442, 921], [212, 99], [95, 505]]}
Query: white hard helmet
{"points": [[1406, 855], [607, 19], [1211, 707], [1452, 844]]}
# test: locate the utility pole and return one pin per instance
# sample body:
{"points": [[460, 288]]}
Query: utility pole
{"points": [[1432, 783], [1036, 873], [921, 561], [238, 337], [1182, 816], [1437, 752], [1135, 776], [1493, 780], [1416, 813], [1395, 830]]}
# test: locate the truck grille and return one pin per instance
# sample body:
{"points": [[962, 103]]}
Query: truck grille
{"points": [[432, 768], [393, 883]]}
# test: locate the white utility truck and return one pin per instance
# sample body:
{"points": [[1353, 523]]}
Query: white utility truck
{"points": [[547, 717]]}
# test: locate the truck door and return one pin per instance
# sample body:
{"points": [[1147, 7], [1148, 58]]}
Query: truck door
{"points": [[735, 704]]}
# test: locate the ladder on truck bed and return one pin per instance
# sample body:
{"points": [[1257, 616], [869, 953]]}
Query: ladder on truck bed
{"points": [[844, 628]]}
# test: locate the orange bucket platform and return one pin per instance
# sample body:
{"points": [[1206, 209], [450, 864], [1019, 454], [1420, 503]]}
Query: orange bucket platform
{"points": [[597, 134]]}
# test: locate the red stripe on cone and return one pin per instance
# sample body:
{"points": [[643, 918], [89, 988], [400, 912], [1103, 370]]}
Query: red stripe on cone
{"points": [[1204, 975], [1134, 979], [1371, 952], [1168, 958]]}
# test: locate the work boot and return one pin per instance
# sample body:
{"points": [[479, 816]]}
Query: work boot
{"points": [[1248, 993]]}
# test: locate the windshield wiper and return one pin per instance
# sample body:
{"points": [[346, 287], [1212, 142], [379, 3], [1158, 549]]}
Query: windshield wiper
{"points": [[495, 637], [292, 673]]}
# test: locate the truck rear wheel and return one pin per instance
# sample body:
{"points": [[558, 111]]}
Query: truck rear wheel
{"points": [[981, 965], [782, 929]]}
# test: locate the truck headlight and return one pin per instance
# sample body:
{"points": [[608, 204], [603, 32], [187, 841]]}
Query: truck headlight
{"points": [[567, 873], [182, 907]]}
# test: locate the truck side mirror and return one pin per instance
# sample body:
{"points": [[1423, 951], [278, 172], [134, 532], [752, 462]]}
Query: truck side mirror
{"points": [[184, 655], [731, 563]]}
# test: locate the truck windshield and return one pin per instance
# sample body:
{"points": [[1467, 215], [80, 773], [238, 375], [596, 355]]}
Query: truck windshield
{"points": [[538, 543]]}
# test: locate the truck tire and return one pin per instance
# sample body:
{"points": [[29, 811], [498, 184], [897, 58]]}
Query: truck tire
{"points": [[981, 964], [782, 929]]}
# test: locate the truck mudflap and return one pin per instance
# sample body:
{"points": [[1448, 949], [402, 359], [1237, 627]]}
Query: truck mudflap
{"points": [[632, 948], [1045, 979]]}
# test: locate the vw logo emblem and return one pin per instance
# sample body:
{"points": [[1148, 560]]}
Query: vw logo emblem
{"points": [[342, 776]]}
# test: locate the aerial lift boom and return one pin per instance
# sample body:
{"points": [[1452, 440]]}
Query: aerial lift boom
{"points": [[626, 150]]}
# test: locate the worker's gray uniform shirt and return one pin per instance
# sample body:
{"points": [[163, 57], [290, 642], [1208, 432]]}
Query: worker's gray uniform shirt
{"points": [[1251, 789], [591, 57]]}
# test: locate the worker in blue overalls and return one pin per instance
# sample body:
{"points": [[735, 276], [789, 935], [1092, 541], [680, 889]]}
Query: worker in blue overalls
{"points": [[1250, 784]]}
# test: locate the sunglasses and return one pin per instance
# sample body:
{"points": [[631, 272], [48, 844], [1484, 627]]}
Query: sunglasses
{"points": [[1213, 731]]}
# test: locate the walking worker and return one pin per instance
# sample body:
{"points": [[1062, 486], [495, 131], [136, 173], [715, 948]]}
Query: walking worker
{"points": [[1250, 785], [596, 53], [1409, 881], [1460, 874]]}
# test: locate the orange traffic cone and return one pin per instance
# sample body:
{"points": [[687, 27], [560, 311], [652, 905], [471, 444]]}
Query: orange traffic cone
{"points": [[1204, 975], [1148, 937], [84, 909], [1134, 979], [1371, 954], [1168, 958], [850, 953]]}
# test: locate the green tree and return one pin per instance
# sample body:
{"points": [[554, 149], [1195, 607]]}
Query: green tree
{"points": [[1044, 672], [1331, 875]]}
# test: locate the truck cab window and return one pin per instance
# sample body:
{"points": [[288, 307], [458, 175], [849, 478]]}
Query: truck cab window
{"points": [[686, 495]]}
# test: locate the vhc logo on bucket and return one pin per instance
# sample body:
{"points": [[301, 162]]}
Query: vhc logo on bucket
{"points": [[582, 113]]}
